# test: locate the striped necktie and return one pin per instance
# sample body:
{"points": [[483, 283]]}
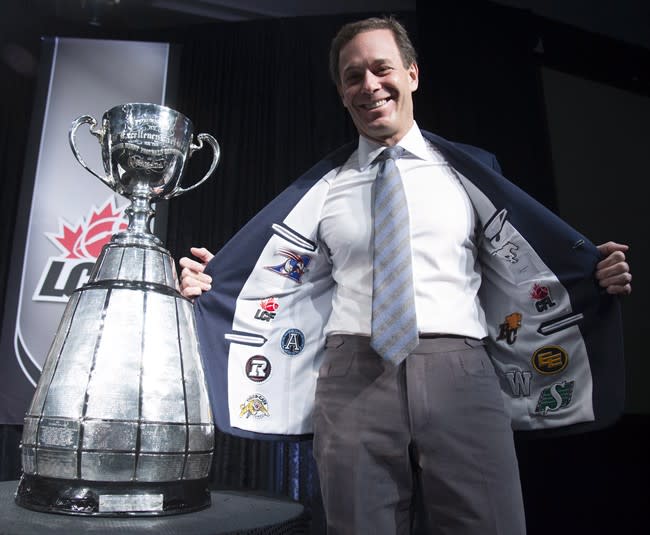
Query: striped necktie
{"points": [[394, 327]]}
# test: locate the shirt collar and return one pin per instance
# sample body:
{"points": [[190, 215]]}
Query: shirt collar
{"points": [[412, 142]]}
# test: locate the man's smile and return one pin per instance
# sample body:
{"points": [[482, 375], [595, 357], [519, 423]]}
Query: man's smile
{"points": [[376, 104]]}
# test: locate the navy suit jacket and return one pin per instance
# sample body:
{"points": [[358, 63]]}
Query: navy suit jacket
{"points": [[519, 234]]}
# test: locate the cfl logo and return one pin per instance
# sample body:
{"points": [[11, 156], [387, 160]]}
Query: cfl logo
{"points": [[258, 368]]}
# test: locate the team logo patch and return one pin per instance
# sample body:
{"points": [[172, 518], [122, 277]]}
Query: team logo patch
{"points": [[294, 267], [519, 382], [268, 308], [555, 397], [258, 368], [255, 406], [542, 297], [548, 360], [293, 342], [508, 329], [508, 252]]}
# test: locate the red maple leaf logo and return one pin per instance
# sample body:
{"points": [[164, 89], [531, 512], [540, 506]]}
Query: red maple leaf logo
{"points": [[88, 236], [270, 305], [539, 292]]}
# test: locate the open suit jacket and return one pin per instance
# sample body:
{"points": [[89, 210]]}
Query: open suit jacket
{"points": [[554, 337]]}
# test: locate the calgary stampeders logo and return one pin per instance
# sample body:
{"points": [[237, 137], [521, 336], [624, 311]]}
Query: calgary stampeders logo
{"points": [[79, 247]]}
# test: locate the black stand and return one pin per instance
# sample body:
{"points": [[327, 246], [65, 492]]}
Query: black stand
{"points": [[230, 512]]}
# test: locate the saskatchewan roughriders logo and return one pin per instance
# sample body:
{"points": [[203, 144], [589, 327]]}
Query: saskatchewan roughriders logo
{"points": [[79, 247]]}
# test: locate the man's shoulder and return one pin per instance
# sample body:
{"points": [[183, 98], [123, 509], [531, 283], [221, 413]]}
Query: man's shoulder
{"points": [[477, 153]]}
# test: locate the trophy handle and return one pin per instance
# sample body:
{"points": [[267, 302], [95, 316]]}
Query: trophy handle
{"points": [[98, 133], [217, 154]]}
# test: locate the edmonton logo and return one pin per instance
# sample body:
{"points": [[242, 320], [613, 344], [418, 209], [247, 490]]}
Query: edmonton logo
{"points": [[548, 360]]}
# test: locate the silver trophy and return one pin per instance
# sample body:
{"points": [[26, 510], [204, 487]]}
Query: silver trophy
{"points": [[120, 423]]}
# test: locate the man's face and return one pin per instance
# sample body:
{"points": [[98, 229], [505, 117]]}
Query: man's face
{"points": [[376, 88]]}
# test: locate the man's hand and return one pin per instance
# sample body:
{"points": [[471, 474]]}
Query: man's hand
{"points": [[613, 272], [193, 281]]}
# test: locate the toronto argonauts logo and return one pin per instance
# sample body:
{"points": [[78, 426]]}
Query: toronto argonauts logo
{"points": [[294, 267], [293, 342]]}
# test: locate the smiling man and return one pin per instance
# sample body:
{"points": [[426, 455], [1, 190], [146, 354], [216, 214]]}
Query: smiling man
{"points": [[408, 234], [375, 84]]}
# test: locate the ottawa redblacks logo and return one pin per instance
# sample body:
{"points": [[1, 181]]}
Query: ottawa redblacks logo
{"points": [[79, 247]]}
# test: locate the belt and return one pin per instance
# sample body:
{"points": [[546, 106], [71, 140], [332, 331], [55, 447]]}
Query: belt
{"points": [[441, 335]]}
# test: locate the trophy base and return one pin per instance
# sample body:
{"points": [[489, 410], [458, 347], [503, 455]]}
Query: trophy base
{"points": [[100, 498]]}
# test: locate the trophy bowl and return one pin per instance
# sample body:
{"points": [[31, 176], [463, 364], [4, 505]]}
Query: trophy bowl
{"points": [[144, 149]]}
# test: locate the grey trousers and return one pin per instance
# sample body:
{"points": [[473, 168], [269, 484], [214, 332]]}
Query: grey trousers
{"points": [[432, 430]]}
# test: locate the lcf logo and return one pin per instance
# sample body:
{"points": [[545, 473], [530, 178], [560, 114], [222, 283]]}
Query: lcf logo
{"points": [[267, 310], [79, 247]]}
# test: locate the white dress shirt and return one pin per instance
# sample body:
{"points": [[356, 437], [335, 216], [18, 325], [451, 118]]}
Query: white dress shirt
{"points": [[446, 272]]}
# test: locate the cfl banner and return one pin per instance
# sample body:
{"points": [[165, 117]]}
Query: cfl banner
{"points": [[68, 214]]}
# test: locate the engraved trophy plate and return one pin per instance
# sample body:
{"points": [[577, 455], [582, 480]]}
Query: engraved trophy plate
{"points": [[160, 467], [109, 436], [114, 503], [120, 423], [96, 466]]}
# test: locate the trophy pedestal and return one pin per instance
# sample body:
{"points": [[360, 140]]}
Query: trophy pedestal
{"points": [[49, 495], [229, 512]]}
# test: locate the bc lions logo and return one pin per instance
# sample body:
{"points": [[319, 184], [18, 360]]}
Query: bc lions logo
{"points": [[508, 329], [294, 267]]}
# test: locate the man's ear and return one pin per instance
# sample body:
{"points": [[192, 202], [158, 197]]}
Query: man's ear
{"points": [[414, 76]]}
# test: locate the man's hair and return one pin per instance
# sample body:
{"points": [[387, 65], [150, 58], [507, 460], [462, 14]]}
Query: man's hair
{"points": [[352, 29]]}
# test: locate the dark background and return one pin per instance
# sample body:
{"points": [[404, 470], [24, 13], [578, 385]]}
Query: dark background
{"points": [[562, 98]]}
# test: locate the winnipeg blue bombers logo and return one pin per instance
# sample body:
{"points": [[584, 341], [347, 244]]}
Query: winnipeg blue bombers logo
{"points": [[294, 267], [519, 381], [293, 342]]}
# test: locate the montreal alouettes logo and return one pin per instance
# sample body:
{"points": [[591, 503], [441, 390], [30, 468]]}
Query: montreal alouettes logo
{"points": [[79, 246], [294, 267]]}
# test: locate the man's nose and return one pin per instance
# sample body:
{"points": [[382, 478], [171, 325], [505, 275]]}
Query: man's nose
{"points": [[370, 82]]}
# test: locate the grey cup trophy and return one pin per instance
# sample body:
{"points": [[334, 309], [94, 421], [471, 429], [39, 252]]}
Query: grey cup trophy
{"points": [[120, 423]]}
